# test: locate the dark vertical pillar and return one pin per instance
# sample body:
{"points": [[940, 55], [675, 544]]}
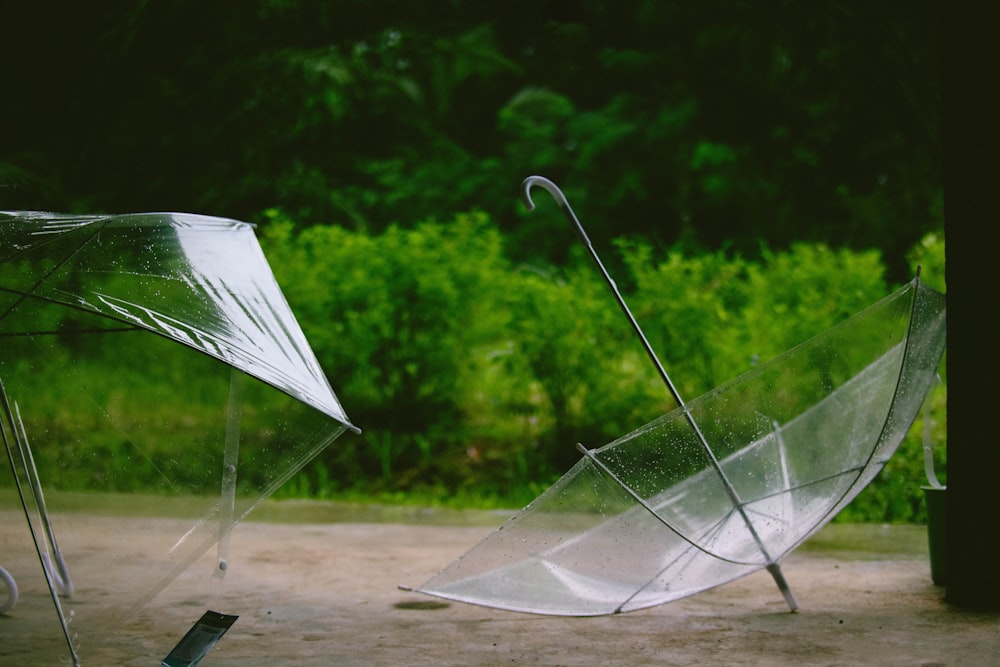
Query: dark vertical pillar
{"points": [[971, 117]]}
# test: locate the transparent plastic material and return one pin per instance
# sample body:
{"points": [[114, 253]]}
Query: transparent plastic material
{"points": [[155, 388], [653, 516]]}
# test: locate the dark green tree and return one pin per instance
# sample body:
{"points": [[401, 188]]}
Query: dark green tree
{"points": [[711, 124]]}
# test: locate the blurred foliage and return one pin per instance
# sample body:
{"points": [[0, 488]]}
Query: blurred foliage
{"points": [[475, 378], [393, 318], [669, 121], [764, 171], [472, 375]]}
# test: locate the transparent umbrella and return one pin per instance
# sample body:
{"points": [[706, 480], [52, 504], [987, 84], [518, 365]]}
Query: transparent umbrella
{"points": [[724, 485], [154, 388]]}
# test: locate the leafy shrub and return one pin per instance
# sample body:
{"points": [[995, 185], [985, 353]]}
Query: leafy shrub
{"points": [[395, 319], [473, 378]]}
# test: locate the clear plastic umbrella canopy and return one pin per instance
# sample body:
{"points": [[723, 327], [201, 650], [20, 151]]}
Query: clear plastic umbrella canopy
{"points": [[156, 387], [723, 486]]}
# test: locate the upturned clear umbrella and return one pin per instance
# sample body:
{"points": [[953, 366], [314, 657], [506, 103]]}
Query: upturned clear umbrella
{"points": [[723, 486], [155, 387]]}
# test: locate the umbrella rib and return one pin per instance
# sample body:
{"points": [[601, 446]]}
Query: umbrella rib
{"points": [[709, 533], [649, 508], [20, 444], [567, 210], [916, 284], [58, 265], [773, 568], [56, 332], [813, 482]]}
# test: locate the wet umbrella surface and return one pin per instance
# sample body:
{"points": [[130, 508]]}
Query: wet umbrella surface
{"points": [[724, 485], [149, 367]]}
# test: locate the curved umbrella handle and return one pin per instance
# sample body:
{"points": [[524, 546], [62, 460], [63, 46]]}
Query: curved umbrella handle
{"points": [[560, 198]]}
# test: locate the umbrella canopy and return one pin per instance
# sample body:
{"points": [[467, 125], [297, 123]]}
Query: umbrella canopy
{"points": [[149, 367], [723, 486]]}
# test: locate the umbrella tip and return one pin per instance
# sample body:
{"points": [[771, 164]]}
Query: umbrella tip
{"points": [[779, 578]]}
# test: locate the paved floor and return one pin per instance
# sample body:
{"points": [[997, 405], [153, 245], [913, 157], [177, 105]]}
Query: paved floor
{"points": [[325, 593]]}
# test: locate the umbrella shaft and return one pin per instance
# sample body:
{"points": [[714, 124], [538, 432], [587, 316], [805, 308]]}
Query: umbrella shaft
{"points": [[631, 318], [581, 234]]}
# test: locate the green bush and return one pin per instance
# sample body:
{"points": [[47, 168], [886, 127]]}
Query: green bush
{"points": [[403, 322], [473, 378]]}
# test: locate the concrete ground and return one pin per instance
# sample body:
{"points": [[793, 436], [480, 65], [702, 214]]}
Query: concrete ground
{"points": [[324, 591]]}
